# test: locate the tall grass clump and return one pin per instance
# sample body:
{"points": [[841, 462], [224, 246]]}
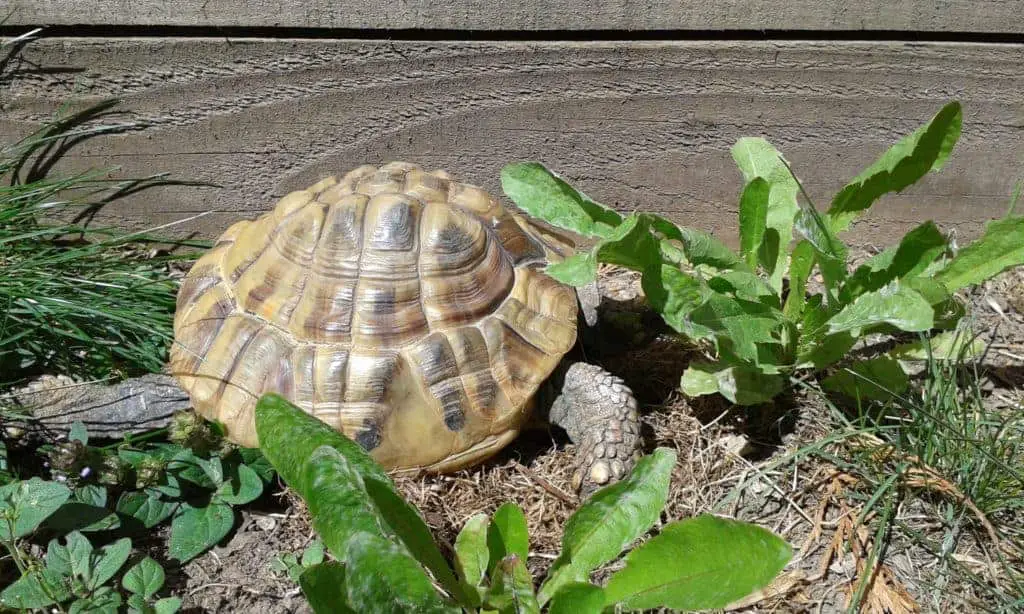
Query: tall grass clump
{"points": [[949, 442], [76, 299]]}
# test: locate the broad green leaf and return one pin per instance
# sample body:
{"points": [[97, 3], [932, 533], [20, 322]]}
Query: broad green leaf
{"points": [[196, 529], [1000, 248], [696, 246], [576, 270], [950, 345], [80, 555], [756, 157], [147, 508], [103, 601], [702, 248], [58, 559], [213, 468], [111, 558], [512, 588], [816, 348], [313, 554], [614, 517], [86, 512], [507, 534], [739, 326], [472, 554], [800, 264], [92, 494], [830, 252], [754, 220], [876, 379], [289, 436], [740, 385], [826, 350], [543, 194], [78, 432], [324, 588], [241, 486], [893, 304], [31, 502], [254, 459], [381, 577], [918, 249], [744, 285], [185, 465], [337, 500], [924, 150], [78, 516], [700, 379], [947, 307], [36, 589], [696, 564], [144, 578], [630, 245], [675, 295], [170, 605], [578, 598]]}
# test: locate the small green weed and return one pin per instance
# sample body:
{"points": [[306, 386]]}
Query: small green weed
{"points": [[754, 306], [293, 566], [384, 550], [123, 488]]}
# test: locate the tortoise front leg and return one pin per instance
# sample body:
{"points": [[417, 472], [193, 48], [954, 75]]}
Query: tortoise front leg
{"points": [[599, 412]]}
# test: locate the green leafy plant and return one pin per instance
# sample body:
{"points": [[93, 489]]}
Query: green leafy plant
{"points": [[756, 307], [122, 487], [142, 582], [387, 560], [293, 566], [197, 492], [73, 572]]}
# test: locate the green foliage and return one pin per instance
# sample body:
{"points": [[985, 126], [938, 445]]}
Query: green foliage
{"points": [[294, 566], [324, 587], [1000, 248], [155, 482], [610, 520], [762, 333], [707, 550], [77, 299], [76, 572], [289, 440], [380, 568], [25, 505]]}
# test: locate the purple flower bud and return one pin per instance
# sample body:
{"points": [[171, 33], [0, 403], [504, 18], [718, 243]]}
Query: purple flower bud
{"points": [[85, 472]]}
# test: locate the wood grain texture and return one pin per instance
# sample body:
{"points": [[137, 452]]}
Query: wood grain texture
{"points": [[637, 125], [533, 15]]}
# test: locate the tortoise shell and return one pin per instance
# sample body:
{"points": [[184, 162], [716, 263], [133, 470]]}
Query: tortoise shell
{"points": [[401, 307]]}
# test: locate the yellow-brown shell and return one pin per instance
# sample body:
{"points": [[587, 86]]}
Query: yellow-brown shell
{"points": [[399, 306]]}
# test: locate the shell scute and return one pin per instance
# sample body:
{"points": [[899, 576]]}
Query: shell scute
{"points": [[394, 304]]}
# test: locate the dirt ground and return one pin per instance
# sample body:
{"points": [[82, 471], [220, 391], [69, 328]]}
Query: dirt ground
{"points": [[729, 464]]}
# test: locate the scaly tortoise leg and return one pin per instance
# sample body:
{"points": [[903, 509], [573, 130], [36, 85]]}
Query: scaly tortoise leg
{"points": [[599, 413]]}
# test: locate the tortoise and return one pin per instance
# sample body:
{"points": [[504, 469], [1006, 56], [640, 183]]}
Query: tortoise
{"points": [[406, 309]]}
